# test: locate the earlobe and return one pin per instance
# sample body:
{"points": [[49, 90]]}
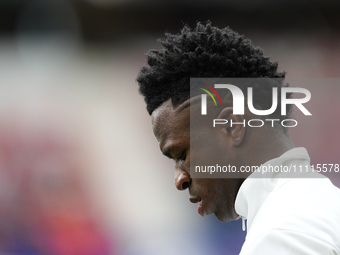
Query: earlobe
{"points": [[235, 127]]}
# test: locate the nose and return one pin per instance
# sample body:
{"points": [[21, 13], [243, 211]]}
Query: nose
{"points": [[182, 179]]}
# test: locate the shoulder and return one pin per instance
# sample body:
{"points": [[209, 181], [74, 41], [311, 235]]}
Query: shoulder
{"points": [[307, 209], [284, 241]]}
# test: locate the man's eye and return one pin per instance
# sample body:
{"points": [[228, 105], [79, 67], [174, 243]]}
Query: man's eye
{"points": [[181, 157]]}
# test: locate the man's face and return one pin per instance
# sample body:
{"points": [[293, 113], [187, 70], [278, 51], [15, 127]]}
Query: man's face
{"points": [[171, 127]]}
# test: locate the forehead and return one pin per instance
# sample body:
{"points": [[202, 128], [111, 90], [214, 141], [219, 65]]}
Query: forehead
{"points": [[169, 122]]}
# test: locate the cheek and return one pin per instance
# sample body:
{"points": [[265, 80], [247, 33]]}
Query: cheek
{"points": [[208, 188], [210, 146], [221, 192]]}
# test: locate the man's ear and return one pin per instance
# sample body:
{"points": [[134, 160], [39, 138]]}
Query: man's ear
{"points": [[235, 127]]}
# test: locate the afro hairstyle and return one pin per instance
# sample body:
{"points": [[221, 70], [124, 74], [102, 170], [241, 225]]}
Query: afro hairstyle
{"points": [[204, 52]]}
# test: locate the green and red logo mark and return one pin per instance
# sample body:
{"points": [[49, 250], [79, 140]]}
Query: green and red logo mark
{"points": [[204, 97], [209, 93]]}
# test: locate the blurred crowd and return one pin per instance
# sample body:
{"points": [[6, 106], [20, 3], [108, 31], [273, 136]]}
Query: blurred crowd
{"points": [[44, 204]]}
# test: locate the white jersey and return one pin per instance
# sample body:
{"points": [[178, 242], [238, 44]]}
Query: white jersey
{"points": [[294, 216]]}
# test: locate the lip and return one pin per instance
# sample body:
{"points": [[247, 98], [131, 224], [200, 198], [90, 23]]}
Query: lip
{"points": [[200, 207], [195, 200]]}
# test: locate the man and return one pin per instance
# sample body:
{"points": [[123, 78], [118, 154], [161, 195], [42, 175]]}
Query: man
{"points": [[284, 215]]}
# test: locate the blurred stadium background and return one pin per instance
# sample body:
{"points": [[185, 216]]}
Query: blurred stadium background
{"points": [[80, 170]]}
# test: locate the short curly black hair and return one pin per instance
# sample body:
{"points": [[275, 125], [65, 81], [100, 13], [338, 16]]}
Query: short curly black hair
{"points": [[204, 52]]}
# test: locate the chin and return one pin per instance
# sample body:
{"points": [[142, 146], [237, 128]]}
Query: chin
{"points": [[226, 216], [222, 218]]}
